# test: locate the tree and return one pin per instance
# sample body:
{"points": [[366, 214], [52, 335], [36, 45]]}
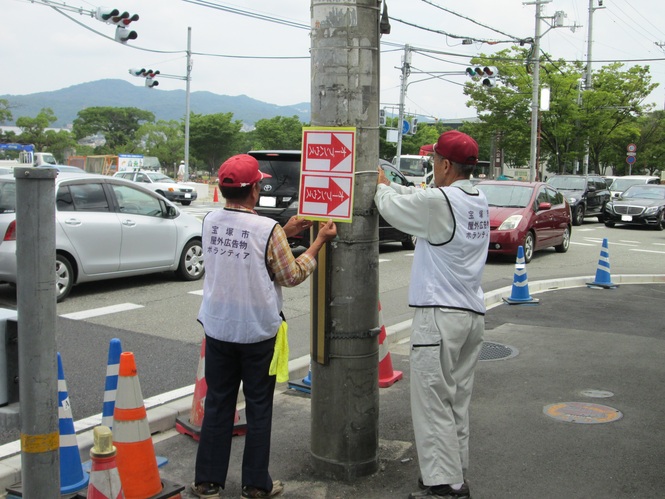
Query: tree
{"points": [[214, 138], [33, 129], [5, 113], [279, 132], [118, 125], [164, 139]]}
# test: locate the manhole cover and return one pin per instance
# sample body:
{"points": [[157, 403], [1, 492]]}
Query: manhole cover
{"points": [[496, 351], [581, 412]]}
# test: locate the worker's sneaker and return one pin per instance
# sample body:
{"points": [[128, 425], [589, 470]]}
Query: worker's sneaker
{"points": [[250, 492], [445, 491], [206, 490]]}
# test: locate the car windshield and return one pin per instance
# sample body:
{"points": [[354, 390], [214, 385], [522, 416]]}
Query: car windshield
{"points": [[413, 166], [644, 192], [506, 196], [568, 183], [621, 184], [283, 169], [8, 196], [161, 178]]}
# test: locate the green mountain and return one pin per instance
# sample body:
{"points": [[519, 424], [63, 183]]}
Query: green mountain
{"points": [[165, 104]]}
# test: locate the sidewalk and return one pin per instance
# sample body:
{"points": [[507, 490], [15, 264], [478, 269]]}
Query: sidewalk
{"points": [[601, 348]]}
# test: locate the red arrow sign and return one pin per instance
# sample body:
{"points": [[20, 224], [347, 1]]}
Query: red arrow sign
{"points": [[333, 195], [335, 152]]}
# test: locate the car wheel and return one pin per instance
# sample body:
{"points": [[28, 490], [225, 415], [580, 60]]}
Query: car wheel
{"points": [[529, 244], [601, 215], [191, 262], [578, 216], [185, 203], [409, 243], [609, 224], [565, 244], [64, 277]]}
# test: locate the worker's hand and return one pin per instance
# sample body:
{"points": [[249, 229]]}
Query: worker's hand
{"points": [[327, 231], [296, 225], [382, 179]]}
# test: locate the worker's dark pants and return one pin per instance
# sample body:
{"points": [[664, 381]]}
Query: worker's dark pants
{"points": [[226, 365]]}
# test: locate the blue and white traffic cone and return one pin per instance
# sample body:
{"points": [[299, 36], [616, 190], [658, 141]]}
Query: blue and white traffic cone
{"points": [[111, 386], [519, 295], [72, 477], [603, 279], [305, 385]]}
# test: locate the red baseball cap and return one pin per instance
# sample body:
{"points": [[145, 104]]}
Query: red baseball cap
{"points": [[239, 171], [458, 147]]}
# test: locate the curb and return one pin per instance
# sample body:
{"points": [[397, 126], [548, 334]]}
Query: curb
{"points": [[163, 409]]}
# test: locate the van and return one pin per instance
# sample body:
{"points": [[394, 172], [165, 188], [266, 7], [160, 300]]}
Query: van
{"points": [[415, 167], [620, 184]]}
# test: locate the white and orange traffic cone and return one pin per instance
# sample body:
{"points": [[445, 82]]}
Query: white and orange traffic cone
{"points": [[215, 196], [137, 463], [104, 477], [387, 376], [192, 426]]}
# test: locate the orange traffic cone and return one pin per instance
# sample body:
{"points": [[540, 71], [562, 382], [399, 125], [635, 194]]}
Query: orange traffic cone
{"points": [[192, 425], [104, 477], [387, 376], [215, 197], [137, 463]]}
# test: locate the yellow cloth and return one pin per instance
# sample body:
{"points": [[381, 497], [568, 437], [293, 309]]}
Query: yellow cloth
{"points": [[279, 364]]}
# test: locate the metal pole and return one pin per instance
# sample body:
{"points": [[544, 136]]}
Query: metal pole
{"points": [[187, 112], [406, 65], [534, 98], [345, 393], [36, 310]]}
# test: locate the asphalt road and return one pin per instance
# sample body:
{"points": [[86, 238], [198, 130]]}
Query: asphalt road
{"points": [[165, 337]]}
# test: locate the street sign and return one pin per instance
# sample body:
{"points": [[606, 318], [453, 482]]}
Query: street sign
{"points": [[406, 126], [631, 148], [629, 153], [630, 159], [326, 174]]}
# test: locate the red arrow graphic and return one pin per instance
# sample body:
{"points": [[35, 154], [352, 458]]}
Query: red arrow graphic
{"points": [[335, 152], [333, 196]]}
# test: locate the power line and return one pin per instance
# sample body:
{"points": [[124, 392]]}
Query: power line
{"points": [[248, 13]]}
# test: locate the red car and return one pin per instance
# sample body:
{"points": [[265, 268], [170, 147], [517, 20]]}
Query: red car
{"points": [[528, 214]]}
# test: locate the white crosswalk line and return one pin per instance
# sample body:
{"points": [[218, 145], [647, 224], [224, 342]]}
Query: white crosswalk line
{"points": [[96, 312]]}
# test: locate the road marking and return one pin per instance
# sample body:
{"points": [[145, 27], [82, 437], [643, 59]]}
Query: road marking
{"points": [[613, 243], [198, 292], [649, 251], [627, 241], [658, 244], [96, 312], [381, 260], [582, 244]]}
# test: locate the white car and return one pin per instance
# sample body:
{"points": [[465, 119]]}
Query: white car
{"points": [[107, 227], [161, 184]]}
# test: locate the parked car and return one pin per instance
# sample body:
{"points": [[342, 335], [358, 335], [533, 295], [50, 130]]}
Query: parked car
{"points": [[415, 168], [64, 168], [620, 184], [642, 204], [586, 194], [279, 195], [533, 215], [107, 227], [161, 184]]}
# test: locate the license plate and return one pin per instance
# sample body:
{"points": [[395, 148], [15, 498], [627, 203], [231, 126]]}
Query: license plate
{"points": [[626, 218], [268, 201], [188, 195]]}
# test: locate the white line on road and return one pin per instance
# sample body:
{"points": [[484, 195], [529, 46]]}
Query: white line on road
{"points": [[649, 251], [96, 312], [582, 244], [384, 260], [198, 292]]}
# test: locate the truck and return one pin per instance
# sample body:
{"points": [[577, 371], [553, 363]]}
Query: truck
{"points": [[26, 156]]}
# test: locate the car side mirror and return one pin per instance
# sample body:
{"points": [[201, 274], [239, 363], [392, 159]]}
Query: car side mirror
{"points": [[544, 206], [171, 211], [592, 188]]}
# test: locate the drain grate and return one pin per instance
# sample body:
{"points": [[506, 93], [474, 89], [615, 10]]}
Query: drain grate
{"points": [[496, 351]]}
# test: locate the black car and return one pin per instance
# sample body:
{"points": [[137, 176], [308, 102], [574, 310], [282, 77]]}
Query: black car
{"points": [[586, 194], [279, 195], [642, 204]]}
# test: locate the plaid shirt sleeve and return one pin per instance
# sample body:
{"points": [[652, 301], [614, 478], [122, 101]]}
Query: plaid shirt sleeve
{"points": [[289, 271]]}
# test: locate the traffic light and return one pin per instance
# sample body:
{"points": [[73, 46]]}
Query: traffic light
{"points": [[414, 126], [121, 21], [487, 74], [148, 74], [382, 117]]}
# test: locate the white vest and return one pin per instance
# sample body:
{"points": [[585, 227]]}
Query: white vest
{"points": [[449, 274], [241, 303]]}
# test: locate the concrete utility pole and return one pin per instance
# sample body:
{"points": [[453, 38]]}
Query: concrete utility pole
{"points": [[188, 78], [36, 309], [588, 81], [406, 70], [345, 395]]}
